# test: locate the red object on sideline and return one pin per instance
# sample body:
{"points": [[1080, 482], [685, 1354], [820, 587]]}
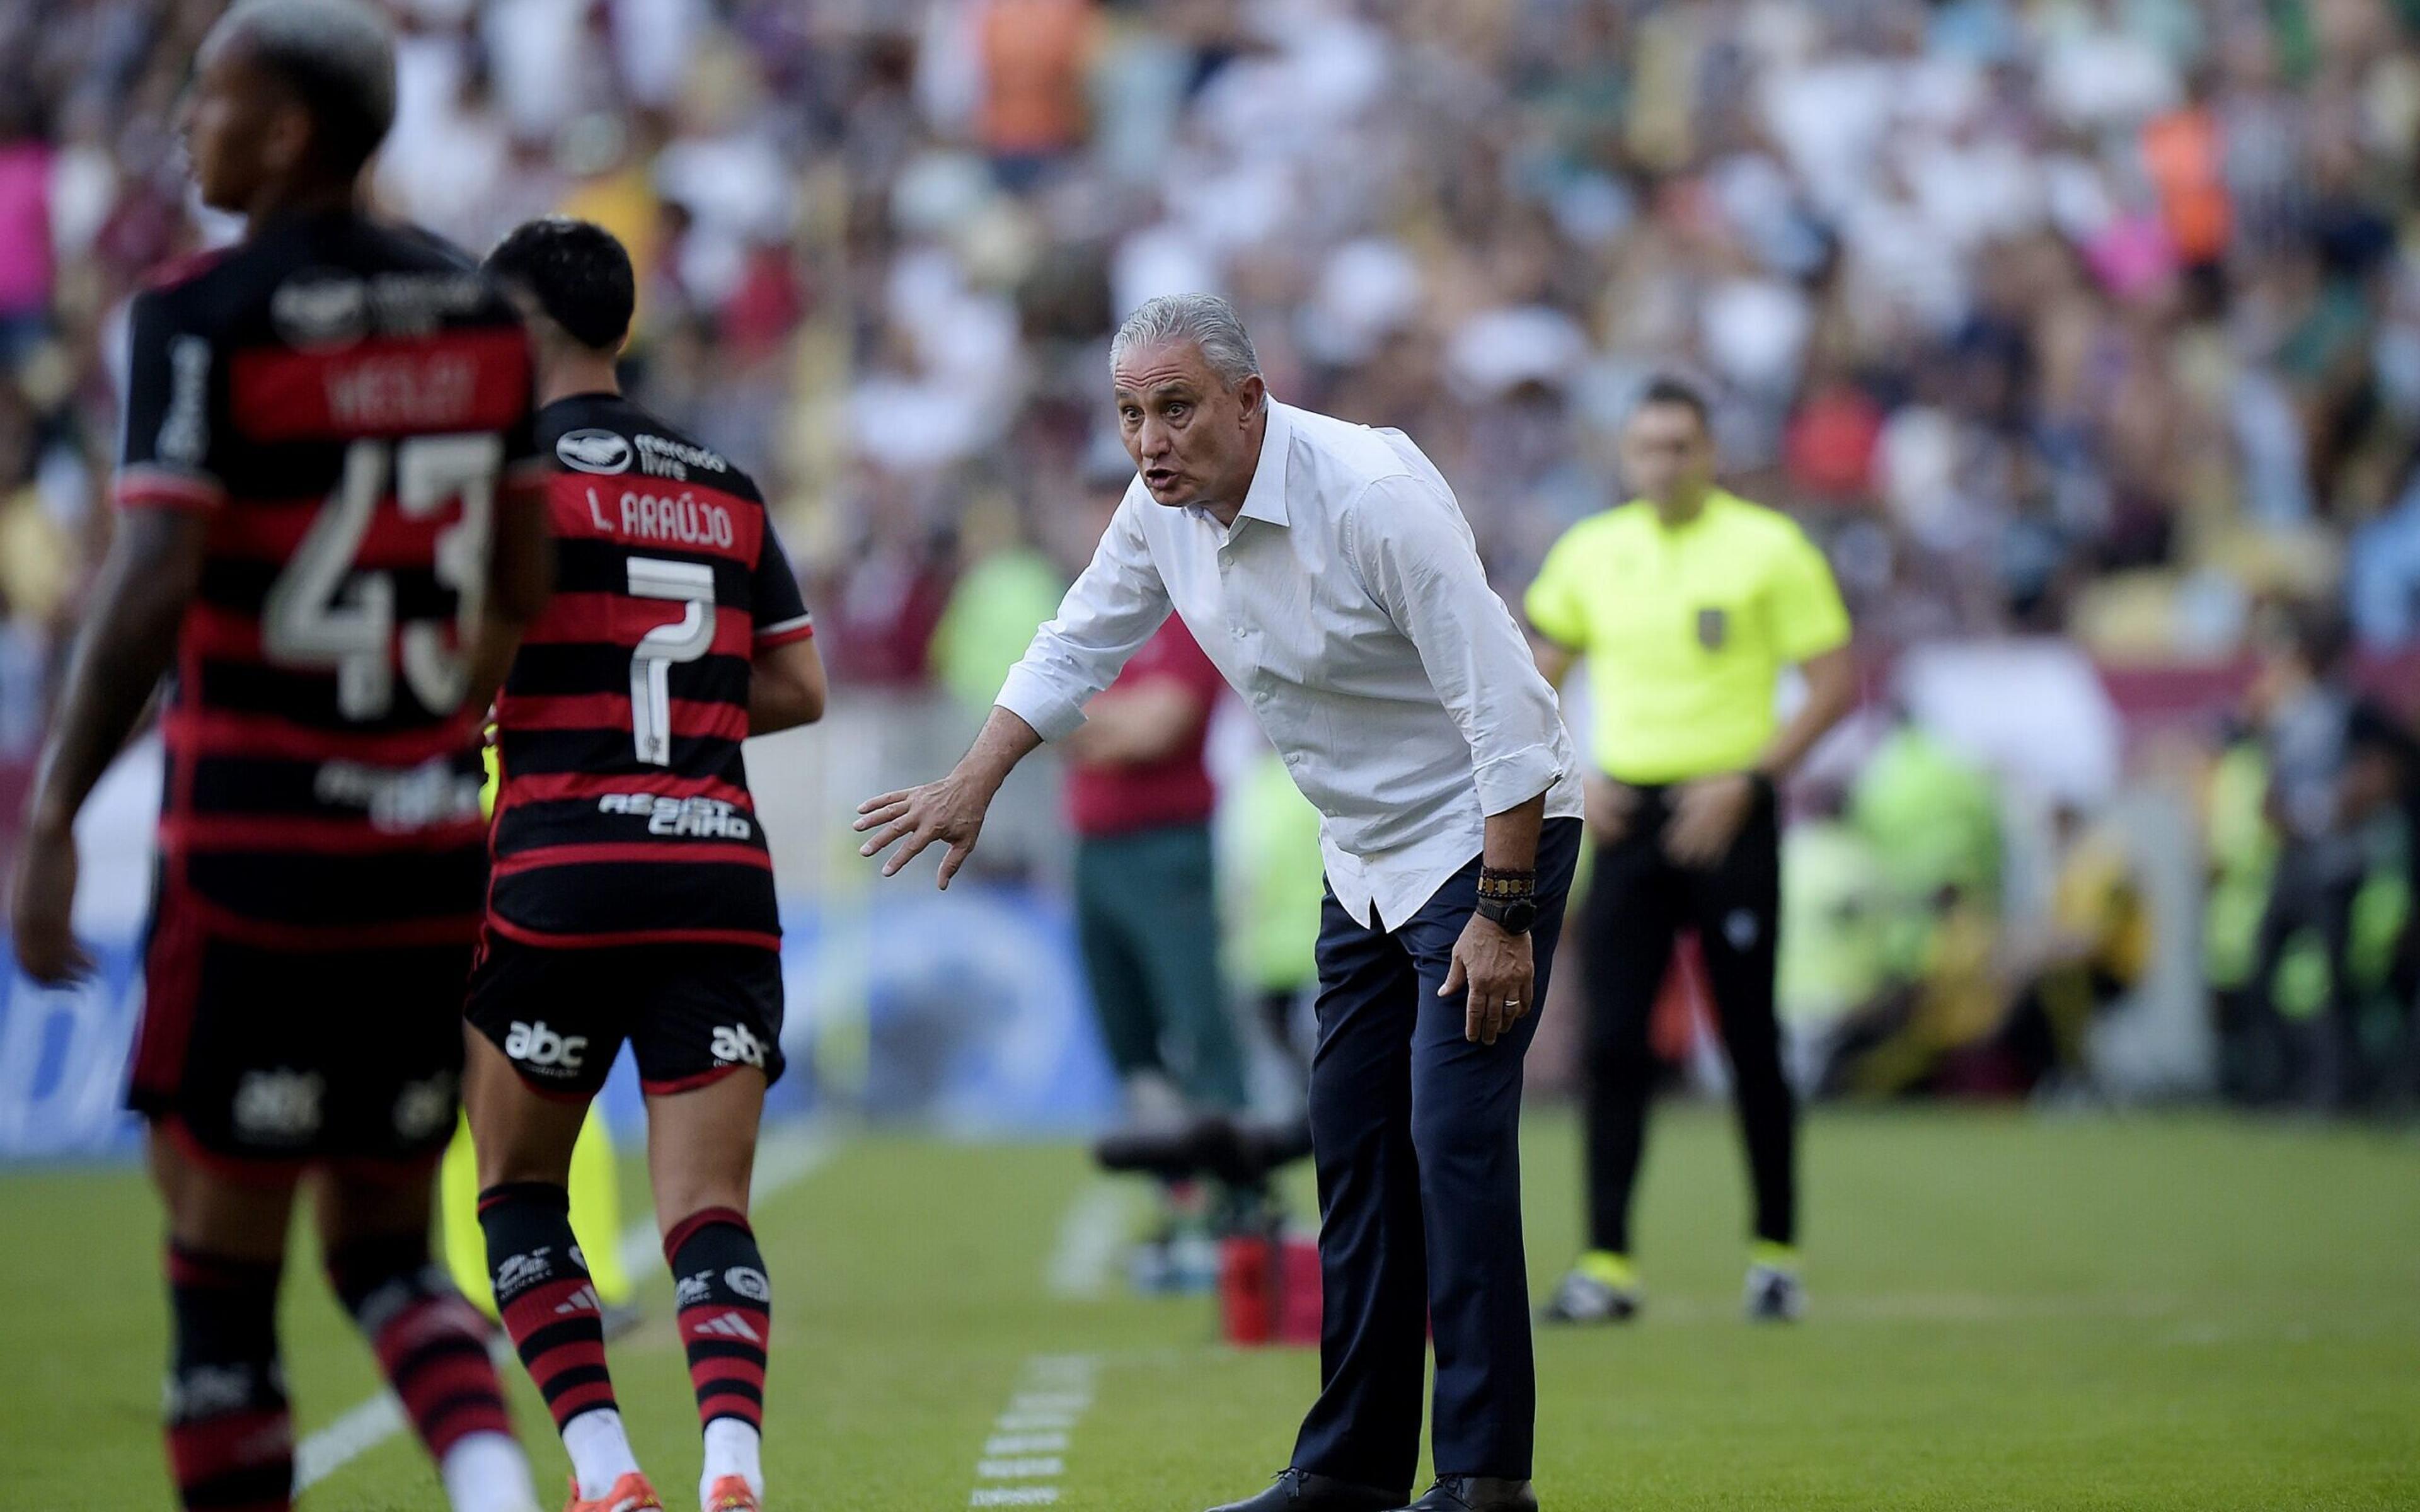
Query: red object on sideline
{"points": [[1268, 1290]]}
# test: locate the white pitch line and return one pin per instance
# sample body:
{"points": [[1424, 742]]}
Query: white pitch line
{"points": [[785, 1158], [1053, 1392], [356, 1433], [1090, 1236]]}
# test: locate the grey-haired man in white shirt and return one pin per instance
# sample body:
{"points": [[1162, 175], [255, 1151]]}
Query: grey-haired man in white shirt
{"points": [[1326, 570]]}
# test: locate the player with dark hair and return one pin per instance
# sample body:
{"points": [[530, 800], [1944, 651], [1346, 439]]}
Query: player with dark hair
{"points": [[633, 896], [333, 533], [1688, 603]]}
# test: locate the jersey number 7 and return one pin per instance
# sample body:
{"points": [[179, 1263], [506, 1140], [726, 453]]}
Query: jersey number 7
{"points": [[692, 584]]}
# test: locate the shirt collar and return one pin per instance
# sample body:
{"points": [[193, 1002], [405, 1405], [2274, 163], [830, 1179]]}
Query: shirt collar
{"points": [[1265, 499], [1718, 500]]}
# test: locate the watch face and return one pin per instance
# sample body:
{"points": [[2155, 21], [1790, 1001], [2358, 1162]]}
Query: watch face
{"points": [[1519, 916]]}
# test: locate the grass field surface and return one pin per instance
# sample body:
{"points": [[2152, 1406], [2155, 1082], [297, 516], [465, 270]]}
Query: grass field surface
{"points": [[2144, 1312]]}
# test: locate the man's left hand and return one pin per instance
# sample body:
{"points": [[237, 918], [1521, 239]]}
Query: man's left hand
{"points": [[1497, 969], [42, 906], [1707, 818]]}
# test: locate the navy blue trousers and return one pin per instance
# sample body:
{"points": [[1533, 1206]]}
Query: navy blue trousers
{"points": [[1416, 1132]]}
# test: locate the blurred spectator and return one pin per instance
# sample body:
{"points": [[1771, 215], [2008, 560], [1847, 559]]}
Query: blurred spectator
{"points": [[2057, 314], [2094, 317], [26, 237], [1008, 589], [1139, 799], [2098, 948], [2240, 852], [1034, 57], [2337, 764], [1272, 891]]}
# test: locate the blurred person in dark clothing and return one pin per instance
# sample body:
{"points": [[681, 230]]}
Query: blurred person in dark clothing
{"points": [[2381, 789], [2338, 765]]}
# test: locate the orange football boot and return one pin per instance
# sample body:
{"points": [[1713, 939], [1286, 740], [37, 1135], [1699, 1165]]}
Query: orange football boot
{"points": [[731, 1494], [631, 1493]]}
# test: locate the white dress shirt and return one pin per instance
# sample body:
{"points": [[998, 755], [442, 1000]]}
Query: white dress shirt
{"points": [[1346, 603]]}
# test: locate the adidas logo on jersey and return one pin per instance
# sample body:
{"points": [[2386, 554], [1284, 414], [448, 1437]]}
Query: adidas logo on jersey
{"points": [[535, 1045], [736, 1045], [726, 1325]]}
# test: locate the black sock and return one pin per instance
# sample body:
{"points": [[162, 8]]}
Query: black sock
{"points": [[726, 1312], [230, 1436], [431, 1342], [548, 1304]]}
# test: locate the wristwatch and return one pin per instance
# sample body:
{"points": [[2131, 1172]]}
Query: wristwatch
{"points": [[1508, 900]]}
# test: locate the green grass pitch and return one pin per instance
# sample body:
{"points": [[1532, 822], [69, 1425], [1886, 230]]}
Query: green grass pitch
{"points": [[2144, 1312]]}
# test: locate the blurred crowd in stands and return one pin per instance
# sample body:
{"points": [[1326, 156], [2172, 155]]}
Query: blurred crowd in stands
{"points": [[2095, 317]]}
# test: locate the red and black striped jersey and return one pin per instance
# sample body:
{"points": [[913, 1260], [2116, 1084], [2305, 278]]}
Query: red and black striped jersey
{"points": [[623, 814], [345, 399]]}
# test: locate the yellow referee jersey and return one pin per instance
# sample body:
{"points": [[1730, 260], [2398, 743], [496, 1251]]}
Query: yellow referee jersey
{"points": [[1686, 629]]}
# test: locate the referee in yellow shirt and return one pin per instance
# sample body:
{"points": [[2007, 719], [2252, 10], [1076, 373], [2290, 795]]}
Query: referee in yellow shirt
{"points": [[1687, 602]]}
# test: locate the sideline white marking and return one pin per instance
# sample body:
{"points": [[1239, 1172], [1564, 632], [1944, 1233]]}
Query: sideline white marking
{"points": [[1090, 1237], [1052, 1393], [1025, 1444], [784, 1159]]}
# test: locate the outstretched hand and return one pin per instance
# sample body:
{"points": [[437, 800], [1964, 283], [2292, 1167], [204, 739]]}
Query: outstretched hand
{"points": [[949, 811]]}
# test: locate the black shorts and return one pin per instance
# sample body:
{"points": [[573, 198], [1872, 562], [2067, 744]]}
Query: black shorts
{"points": [[266, 1059], [692, 1013]]}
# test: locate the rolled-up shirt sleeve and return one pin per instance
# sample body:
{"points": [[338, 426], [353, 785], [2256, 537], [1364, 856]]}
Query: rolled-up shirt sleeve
{"points": [[1416, 556], [1110, 611]]}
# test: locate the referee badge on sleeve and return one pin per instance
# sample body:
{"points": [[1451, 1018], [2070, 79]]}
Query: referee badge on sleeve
{"points": [[1714, 628]]}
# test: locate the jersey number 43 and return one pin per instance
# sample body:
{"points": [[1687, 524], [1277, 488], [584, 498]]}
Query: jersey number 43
{"points": [[324, 611]]}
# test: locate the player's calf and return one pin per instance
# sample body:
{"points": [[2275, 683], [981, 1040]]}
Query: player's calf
{"points": [[230, 1435], [431, 1344], [727, 1324], [550, 1308]]}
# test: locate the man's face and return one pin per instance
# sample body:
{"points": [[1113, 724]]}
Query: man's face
{"points": [[240, 126], [1666, 455], [1192, 437]]}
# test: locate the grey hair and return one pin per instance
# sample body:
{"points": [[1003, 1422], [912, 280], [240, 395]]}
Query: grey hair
{"points": [[336, 55], [1205, 320]]}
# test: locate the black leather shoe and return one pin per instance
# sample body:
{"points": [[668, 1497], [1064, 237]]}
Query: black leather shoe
{"points": [[1475, 1493], [1299, 1491]]}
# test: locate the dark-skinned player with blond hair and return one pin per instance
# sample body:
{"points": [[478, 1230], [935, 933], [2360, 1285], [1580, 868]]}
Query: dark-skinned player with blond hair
{"points": [[329, 539]]}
